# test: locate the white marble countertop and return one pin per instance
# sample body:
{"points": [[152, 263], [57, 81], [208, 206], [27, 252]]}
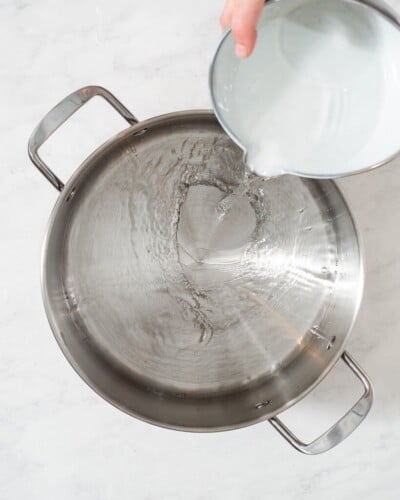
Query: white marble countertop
{"points": [[58, 439]]}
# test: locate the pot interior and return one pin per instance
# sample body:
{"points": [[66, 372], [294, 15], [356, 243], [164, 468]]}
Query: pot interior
{"points": [[190, 292]]}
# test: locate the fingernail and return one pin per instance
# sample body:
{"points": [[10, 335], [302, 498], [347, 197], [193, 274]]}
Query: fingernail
{"points": [[241, 51]]}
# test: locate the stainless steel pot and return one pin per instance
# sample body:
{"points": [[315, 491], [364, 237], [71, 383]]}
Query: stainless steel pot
{"points": [[193, 294]]}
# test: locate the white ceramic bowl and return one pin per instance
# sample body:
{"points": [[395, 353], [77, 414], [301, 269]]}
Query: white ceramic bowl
{"points": [[320, 95]]}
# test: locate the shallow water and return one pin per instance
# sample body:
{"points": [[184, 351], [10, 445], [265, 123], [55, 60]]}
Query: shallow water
{"points": [[192, 273]]}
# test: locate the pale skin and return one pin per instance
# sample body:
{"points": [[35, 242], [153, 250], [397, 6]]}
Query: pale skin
{"points": [[242, 16]]}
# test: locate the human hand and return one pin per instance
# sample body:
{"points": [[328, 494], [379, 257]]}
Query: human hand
{"points": [[242, 16]]}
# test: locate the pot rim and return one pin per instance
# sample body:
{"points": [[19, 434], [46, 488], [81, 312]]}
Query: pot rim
{"points": [[69, 185]]}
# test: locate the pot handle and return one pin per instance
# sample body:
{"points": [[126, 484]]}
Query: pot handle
{"points": [[343, 428], [59, 114]]}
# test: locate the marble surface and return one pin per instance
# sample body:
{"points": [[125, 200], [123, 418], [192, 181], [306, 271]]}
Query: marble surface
{"points": [[59, 440]]}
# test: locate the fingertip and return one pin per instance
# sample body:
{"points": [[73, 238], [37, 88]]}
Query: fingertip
{"points": [[244, 25], [241, 51], [251, 45], [245, 38]]}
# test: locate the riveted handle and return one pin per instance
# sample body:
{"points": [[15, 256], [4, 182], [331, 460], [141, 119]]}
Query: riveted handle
{"points": [[59, 114], [343, 428]]}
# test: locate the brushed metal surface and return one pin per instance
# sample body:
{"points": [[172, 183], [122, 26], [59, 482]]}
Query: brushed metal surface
{"points": [[191, 293]]}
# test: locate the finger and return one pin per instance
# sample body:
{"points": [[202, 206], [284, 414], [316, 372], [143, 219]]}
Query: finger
{"points": [[244, 25], [226, 16]]}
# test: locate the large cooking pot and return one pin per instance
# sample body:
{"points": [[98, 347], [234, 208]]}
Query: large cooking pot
{"points": [[191, 293]]}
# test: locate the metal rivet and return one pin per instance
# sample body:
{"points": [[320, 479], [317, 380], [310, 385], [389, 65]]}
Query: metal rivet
{"points": [[141, 132], [331, 342], [71, 194], [260, 406]]}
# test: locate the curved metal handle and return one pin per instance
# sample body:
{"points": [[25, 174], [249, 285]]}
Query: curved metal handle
{"points": [[59, 114], [343, 428]]}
